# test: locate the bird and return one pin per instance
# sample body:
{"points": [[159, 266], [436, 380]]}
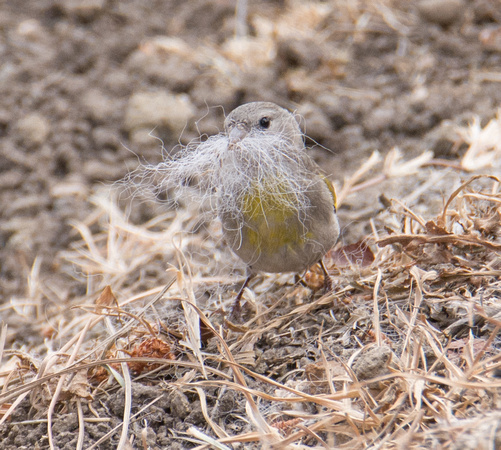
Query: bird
{"points": [[283, 215]]}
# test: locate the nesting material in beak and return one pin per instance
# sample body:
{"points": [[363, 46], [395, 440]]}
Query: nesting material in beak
{"points": [[237, 133]]}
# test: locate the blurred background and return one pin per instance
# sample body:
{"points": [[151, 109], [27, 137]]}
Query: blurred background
{"points": [[90, 88]]}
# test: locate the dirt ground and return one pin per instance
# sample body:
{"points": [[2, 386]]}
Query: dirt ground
{"points": [[89, 89]]}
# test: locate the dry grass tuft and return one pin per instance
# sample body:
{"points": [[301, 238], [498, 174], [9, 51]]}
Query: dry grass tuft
{"points": [[404, 353]]}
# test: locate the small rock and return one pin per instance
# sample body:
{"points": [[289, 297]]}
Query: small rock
{"points": [[442, 12]]}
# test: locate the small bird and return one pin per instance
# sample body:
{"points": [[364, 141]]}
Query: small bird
{"points": [[283, 216]]}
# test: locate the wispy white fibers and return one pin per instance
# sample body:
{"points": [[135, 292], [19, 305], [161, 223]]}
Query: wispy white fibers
{"points": [[263, 163]]}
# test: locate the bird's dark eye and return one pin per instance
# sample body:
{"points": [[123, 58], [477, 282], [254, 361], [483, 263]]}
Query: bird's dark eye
{"points": [[264, 122]]}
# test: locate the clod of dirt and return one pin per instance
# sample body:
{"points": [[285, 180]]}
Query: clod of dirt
{"points": [[442, 12], [169, 61], [227, 403], [85, 10], [298, 53], [318, 124], [97, 104], [372, 363], [180, 405], [490, 38], [33, 129], [147, 110]]}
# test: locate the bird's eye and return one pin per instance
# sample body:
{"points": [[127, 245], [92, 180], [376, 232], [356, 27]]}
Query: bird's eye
{"points": [[264, 123]]}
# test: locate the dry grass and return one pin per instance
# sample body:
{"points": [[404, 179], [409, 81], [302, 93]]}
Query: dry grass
{"points": [[404, 353]]}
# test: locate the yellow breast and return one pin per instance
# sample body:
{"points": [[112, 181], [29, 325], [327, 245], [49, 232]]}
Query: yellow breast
{"points": [[272, 220]]}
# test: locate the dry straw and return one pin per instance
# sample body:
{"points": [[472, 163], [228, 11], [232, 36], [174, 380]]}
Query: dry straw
{"points": [[404, 353]]}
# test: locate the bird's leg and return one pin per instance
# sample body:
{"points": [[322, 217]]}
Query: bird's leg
{"points": [[299, 279], [246, 283], [236, 309], [327, 279]]}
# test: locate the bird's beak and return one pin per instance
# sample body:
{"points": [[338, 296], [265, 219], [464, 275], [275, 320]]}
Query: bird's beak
{"points": [[237, 133]]}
